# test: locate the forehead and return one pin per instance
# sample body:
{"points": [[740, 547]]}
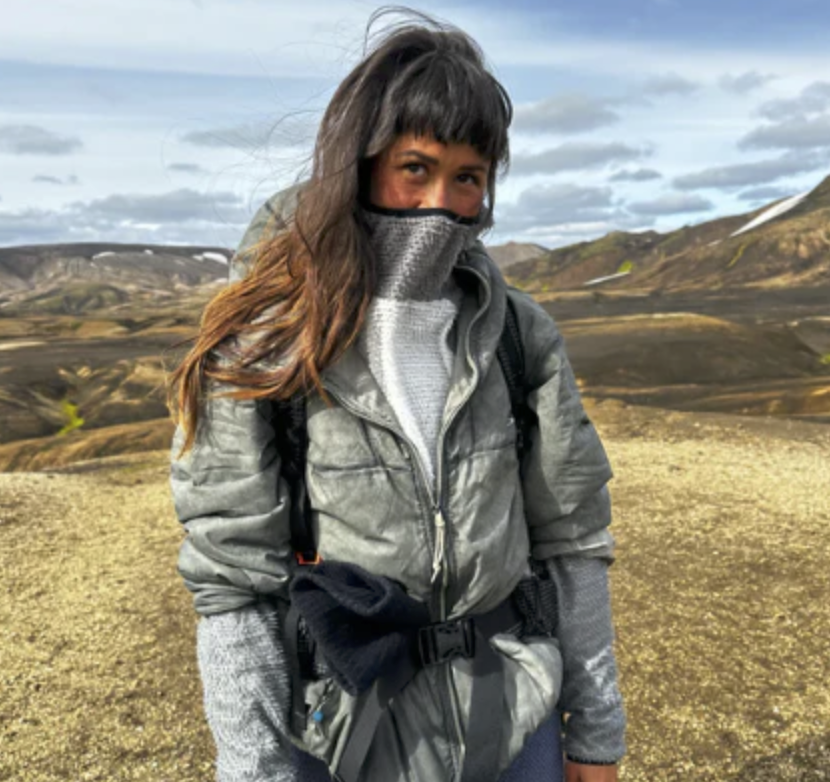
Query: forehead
{"points": [[451, 153]]}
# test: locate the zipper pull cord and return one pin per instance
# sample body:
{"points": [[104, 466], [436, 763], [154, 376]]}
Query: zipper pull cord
{"points": [[440, 544]]}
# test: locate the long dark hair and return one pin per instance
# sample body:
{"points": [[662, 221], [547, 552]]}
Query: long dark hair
{"points": [[307, 290]]}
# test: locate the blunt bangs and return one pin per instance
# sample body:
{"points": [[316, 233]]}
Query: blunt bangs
{"points": [[454, 102], [444, 91]]}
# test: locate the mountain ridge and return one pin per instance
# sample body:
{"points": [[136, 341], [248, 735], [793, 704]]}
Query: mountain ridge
{"points": [[791, 249]]}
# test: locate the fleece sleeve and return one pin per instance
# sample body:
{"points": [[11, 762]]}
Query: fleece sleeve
{"points": [[568, 510], [595, 728], [246, 688], [236, 559]]}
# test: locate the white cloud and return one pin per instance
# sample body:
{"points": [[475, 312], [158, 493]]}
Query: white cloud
{"points": [[564, 114], [771, 193], [743, 174], [575, 156], [557, 214], [797, 133], [34, 140], [746, 82], [186, 168], [319, 40], [292, 130], [178, 206], [555, 204], [670, 204], [669, 84], [179, 217], [31, 226], [813, 99], [240, 37], [638, 175], [48, 179]]}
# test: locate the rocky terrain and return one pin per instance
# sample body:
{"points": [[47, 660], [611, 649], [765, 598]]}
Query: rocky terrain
{"points": [[721, 599]]}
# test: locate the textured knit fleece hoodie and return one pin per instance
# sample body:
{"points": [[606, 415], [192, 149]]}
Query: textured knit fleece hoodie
{"points": [[229, 496]]}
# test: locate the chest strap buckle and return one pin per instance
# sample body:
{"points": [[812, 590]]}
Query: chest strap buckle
{"points": [[444, 641]]}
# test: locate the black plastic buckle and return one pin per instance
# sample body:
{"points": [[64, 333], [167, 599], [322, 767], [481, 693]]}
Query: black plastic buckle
{"points": [[444, 641]]}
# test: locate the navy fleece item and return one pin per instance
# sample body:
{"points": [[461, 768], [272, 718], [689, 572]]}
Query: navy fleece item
{"points": [[363, 624]]}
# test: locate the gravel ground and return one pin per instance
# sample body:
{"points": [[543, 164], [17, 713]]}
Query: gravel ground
{"points": [[721, 589]]}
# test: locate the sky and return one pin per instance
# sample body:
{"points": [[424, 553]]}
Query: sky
{"points": [[171, 121]]}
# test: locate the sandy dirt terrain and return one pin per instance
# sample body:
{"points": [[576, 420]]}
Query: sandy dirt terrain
{"points": [[721, 589]]}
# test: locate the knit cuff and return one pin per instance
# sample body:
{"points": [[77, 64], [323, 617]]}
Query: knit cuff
{"points": [[583, 762], [595, 727], [246, 694]]}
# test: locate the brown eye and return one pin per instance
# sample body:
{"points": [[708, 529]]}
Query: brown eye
{"points": [[469, 179]]}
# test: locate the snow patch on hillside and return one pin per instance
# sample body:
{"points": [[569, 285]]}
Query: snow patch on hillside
{"points": [[771, 214], [209, 256], [598, 280]]}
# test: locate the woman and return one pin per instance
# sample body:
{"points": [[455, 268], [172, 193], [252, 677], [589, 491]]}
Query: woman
{"points": [[368, 291]]}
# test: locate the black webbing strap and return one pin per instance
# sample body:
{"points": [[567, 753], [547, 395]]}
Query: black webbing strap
{"points": [[483, 739], [366, 721], [511, 356], [291, 432], [291, 639], [482, 743]]}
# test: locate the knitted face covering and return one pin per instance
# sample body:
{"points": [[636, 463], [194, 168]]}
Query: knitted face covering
{"points": [[416, 249], [406, 334]]}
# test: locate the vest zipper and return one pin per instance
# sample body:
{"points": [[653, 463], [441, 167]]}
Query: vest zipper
{"points": [[440, 564], [440, 518], [438, 522]]}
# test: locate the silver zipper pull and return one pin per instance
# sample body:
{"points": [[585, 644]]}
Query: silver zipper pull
{"points": [[440, 544]]}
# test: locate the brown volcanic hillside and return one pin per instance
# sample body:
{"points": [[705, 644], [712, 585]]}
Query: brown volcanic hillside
{"points": [[87, 341], [514, 252], [791, 250], [83, 341], [76, 278]]}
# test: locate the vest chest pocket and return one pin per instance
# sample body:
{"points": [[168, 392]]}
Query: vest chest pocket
{"points": [[339, 440]]}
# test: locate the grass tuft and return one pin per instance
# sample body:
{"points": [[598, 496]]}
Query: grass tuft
{"points": [[74, 421], [741, 251]]}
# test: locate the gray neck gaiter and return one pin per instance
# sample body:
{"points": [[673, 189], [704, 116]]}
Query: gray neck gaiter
{"points": [[416, 250], [406, 337]]}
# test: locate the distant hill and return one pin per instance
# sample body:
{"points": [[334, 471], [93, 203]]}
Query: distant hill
{"points": [[72, 279], [514, 252], [789, 249]]}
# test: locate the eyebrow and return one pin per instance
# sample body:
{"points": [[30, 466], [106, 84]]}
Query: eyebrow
{"points": [[428, 159]]}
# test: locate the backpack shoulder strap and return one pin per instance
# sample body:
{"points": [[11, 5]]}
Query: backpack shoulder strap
{"points": [[511, 357], [290, 423], [291, 426]]}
